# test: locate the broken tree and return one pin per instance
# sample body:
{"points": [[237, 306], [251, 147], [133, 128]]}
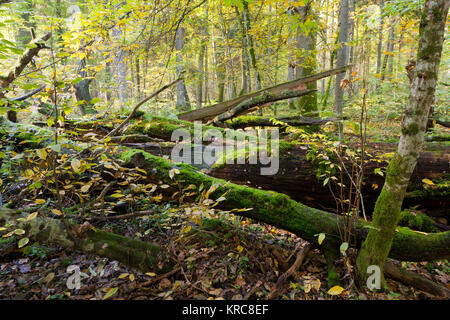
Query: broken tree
{"points": [[210, 112]]}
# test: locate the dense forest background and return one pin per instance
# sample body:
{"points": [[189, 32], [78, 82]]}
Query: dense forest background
{"points": [[115, 53]]}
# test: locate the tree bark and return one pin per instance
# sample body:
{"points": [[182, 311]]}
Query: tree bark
{"points": [[306, 58], [255, 121], [341, 60], [134, 253], [388, 206], [263, 99], [297, 174], [281, 211], [208, 113]]}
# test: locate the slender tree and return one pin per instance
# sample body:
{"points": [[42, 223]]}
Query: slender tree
{"points": [[423, 77], [341, 60]]}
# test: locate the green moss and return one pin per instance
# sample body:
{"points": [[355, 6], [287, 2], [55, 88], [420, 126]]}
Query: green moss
{"points": [[419, 222], [134, 253], [411, 129]]}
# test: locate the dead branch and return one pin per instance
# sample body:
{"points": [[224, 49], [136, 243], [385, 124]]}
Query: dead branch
{"points": [[276, 291], [130, 116]]}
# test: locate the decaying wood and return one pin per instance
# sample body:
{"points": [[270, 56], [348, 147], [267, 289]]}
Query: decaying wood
{"points": [[296, 177], [281, 211], [263, 99], [415, 280], [276, 291], [255, 121], [210, 112], [135, 253]]}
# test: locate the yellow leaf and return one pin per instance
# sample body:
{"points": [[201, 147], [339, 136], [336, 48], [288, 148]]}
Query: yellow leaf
{"points": [[42, 153], [110, 293], [75, 163], [23, 242], [32, 216], [19, 231], [39, 201], [428, 181], [335, 291], [57, 212], [131, 277], [240, 248], [321, 238], [151, 274], [123, 275], [85, 188], [49, 277]]}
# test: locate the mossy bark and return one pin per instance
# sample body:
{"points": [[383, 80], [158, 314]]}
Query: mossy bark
{"points": [[255, 121], [297, 176], [134, 253], [281, 211], [387, 211]]}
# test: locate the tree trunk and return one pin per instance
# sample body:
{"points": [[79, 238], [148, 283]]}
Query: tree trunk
{"points": [[183, 103], [388, 206], [121, 69], [263, 99], [144, 256], [306, 59], [208, 113], [282, 212], [82, 92], [342, 57], [251, 48], [380, 38], [297, 176]]}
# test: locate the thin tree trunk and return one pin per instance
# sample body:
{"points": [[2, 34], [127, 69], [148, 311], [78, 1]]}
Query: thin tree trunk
{"points": [[182, 95], [387, 210], [341, 60]]}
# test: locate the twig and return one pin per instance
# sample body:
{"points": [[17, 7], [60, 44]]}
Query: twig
{"points": [[125, 216], [114, 132], [290, 272]]}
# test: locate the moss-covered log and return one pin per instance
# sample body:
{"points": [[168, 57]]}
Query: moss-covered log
{"points": [[297, 176], [138, 254], [281, 211], [243, 122]]}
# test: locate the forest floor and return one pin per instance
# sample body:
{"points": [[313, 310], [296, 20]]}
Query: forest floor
{"points": [[229, 258], [222, 256]]}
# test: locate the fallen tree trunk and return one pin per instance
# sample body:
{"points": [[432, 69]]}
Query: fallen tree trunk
{"points": [[413, 279], [281, 211], [243, 122], [134, 253], [297, 176], [210, 112], [262, 99]]}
